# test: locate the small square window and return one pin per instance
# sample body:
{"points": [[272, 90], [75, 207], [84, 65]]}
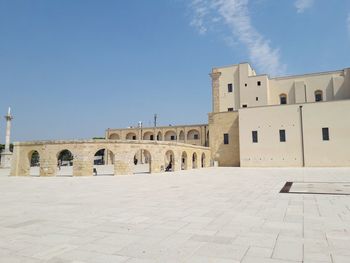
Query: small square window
{"points": [[259, 83], [244, 105], [245, 84], [255, 136], [134, 137], [195, 136], [226, 141], [172, 137], [229, 109], [257, 98], [229, 87], [282, 135], [325, 134]]}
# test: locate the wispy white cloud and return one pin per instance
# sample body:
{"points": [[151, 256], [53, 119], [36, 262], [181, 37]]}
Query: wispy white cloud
{"points": [[235, 15], [302, 5]]}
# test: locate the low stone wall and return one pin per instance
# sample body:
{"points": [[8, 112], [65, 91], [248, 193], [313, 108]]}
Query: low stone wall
{"points": [[123, 155]]}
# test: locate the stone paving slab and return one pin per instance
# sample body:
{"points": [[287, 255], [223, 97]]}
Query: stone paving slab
{"points": [[204, 215]]}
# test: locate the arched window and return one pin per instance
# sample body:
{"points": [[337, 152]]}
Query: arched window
{"points": [[318, 95], [283, 99]]}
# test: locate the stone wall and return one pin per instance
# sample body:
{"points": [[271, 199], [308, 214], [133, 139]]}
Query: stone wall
{"points": [[123, 152]]}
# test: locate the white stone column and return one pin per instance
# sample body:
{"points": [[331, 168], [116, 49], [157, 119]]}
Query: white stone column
{"points": [[6, 155]]}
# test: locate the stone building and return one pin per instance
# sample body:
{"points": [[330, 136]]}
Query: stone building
{"points": [[256, 121], [286, 121]]}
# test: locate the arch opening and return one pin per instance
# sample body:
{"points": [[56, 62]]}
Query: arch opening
{"points": [[169, 162], [131, 136], [65, 162], [114, 136], [170, 136], [318, 95], [34, 163], [142, 162], [148, 136], [283, 98], [184, 161], [193, 135], [103, 162]]}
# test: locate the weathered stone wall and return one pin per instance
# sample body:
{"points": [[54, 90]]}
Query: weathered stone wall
{"points": [[84, 151]]}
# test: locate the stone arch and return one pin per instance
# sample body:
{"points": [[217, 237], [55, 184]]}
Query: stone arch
{"points": [[193, 135], [181, 136], [131, 136], [169, 161], [148, 136], [184, 161], [159, 136], [65, 162], [34, 163], [103, 162], [34, 158], [142, 161], [170, 135], [194, 160], [114, 136], [203, 160], [283, 98]]}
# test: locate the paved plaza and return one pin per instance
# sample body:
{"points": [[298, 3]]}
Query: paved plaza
{"points": [[204, 215]]}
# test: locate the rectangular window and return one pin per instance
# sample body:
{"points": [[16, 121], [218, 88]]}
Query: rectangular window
{"points": [[226, 138], [134, 137], [282, 135], [229, 109], [195, 137], [229, 87], [259, 83], [172, 137], [151, 137], [244, 105], [245, 84], [257, 98], [255, 136], [325, 134]]}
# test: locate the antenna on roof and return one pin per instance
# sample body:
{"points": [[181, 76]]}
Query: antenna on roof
{"points": [[155, 120]]}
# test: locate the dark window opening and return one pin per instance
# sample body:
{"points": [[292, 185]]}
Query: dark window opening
{"points": [[226, 141], [255, 136], [134, 137], [245, 84], [282, 135], [318, 96], [229, 87], [172, 137], [195, 137], [244, 105], [259, 83], [325, 134], [229, 109], [151, 138], [257, 98], [283, 99]]}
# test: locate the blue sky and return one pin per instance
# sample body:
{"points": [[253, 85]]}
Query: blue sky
{"points": [[71, 69]]}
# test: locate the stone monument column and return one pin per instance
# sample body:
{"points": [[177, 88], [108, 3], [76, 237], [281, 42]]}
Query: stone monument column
{"points": [[6, 155]]}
